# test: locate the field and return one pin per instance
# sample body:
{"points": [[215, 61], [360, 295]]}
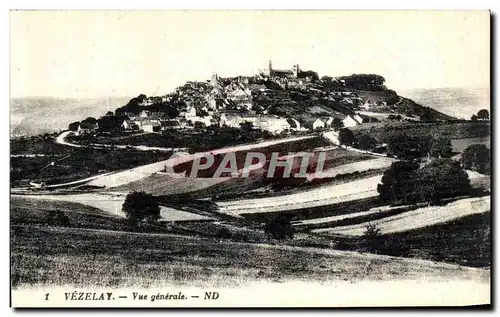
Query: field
{"points": [[466, 130], [322, 196], [337, 161], [464, 241], [89, 209], [70, 163], [212, 229], [418, 218], [78, 257], [101, 249], [459, 145], [194, 140]]}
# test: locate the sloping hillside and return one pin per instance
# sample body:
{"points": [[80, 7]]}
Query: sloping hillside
{"points": [[301, 98], [44, 256]]}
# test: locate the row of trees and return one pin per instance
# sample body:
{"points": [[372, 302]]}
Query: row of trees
{"points": [[402, 145], [482, 114], [169, 108], [108, 123], [363, 81], [407, 182], [476, 157]]}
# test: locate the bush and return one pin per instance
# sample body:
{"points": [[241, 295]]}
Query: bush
{"points": [[57, 218], [441, 148], [280, 228], [371, 231], [370, 240], [477, 157], [224, 233], [346, 137], [139, 207]]}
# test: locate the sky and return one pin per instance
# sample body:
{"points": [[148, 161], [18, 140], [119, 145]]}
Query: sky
{"points": [[126, 53]]}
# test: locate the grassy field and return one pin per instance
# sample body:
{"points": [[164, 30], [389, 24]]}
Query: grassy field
{"points": [[102, 250], [67, 256], [464, 241], [463, 130], [459, 145], [75, 163], [416, 218], [240, 187]]}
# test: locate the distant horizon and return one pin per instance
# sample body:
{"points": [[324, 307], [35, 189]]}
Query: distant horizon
{"points": [[138, 93]]}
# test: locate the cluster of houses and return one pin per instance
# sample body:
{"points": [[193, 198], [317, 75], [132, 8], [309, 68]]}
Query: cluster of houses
{"points": [[149, 121], [230, 102], [275, 125], [155, 122]]}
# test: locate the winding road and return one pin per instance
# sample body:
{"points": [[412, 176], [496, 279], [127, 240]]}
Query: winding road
{"points": [[61, 139]]}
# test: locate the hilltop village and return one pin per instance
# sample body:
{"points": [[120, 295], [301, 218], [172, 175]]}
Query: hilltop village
{"points": [[276, 101]]}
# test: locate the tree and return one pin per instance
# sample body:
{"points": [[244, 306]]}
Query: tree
{"points": [[73, 126], [308, 73], [171, 112], [346, 137], [366, 142], [442, 178], [246, 127], [427, 115], [483, 114], [370, 240], [337, 124], [477, 157], [90, 120], [110, 123], [280, 228], [364, 81], [441, 148], [140, 206], [408, 147], [404, 182], [397, 181], [141, 97], [473, 118]]}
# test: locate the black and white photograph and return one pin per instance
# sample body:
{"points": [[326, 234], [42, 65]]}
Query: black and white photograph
{"points": [[250, 158]]}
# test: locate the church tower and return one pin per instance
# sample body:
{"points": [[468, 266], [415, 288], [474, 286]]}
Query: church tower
{"points": [[296, 70], [214, 80]]}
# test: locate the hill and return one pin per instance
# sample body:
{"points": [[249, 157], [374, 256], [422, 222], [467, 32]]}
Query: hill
{"points": [[37, 115], [301, 98], [457, 102], [98, 249]]}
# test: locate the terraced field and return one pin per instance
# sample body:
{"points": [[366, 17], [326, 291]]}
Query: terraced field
{"points": [[103, 205], [359, 166], [322, 196], [418, 218], [182, 163]]}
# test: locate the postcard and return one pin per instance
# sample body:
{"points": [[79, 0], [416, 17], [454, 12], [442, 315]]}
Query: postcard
{"points": [[250, 158]]}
